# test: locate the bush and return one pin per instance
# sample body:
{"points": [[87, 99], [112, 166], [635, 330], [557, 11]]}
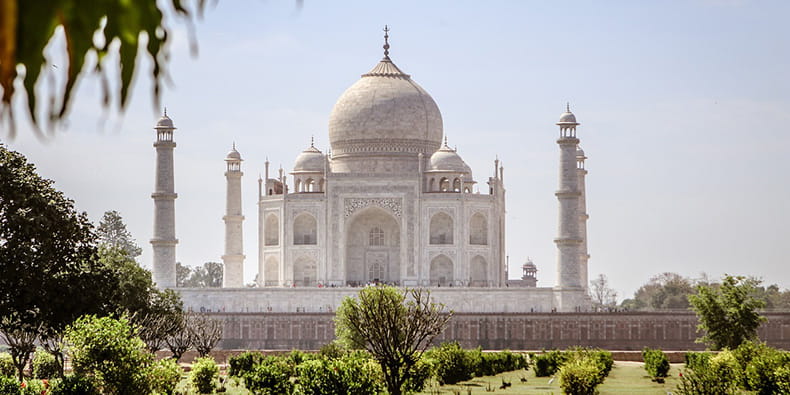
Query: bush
{"points": [[452, 363], [34, 387], [744, 354], [353, 375], [419, 374], [165, 375], [695, 360], [243, 363], [109, 350], [74, 385], [45, 366], [204, 375], [704, 381], [493, 363], [580, 376], [332, 350], [9, 385], [549, 363], [7, 368], [761, 373], [782, 376], [271, 376], [656, 362]]}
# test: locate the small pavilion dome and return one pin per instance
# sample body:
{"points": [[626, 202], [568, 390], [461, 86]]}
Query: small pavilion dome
{"points": [[446, 159], [309, 161], [233, 155], [567, 118], [164, 123]]}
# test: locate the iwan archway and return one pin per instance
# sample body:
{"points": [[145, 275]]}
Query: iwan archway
{"points": [[373, 248]]}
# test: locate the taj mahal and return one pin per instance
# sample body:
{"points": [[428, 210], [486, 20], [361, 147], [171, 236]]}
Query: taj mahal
{"points": [[391, 202]]}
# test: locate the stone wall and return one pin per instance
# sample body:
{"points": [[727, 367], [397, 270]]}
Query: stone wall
{"points": [[492, 331]]}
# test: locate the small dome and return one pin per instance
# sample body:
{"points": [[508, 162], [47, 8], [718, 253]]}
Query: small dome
{"points": [[310, 160], [447, 159], [580, 152], [567, 118], [233, 154], [164, 123]]}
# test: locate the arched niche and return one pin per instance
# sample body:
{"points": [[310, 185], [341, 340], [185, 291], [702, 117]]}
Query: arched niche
{"points": [[305, 272], [305, 230], [478, 229], [271, 230], [372, 247], [441, 229], [271, 272], [441, 271], [478, 272]]}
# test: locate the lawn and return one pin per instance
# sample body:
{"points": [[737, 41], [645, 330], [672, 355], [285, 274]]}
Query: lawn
{"points": [[625, 378]]}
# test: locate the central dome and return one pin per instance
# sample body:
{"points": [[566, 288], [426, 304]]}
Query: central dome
{"points": [[384, 114]]}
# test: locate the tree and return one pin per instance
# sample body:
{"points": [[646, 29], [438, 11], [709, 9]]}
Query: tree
{"points": [[26, 28], [112, 232], [209, 275], [108, 350], [602, 295], [205, 332], [395, 327], [663, 291], [728, 314], [44, 244]]}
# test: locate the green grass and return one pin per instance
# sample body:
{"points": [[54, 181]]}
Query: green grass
{"points": [[625, 378]]}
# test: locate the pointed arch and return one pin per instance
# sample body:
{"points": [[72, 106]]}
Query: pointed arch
{"points": [[478, 272], [444, 185], [271, 230], [271, 272], [441, 229], [478, 229], [305, 229], [305, 272], [441, 271], [457, 185]]}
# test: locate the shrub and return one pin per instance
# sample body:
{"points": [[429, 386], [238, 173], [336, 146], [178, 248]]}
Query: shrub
{"points": [[332, 350], [34, 387], [271, 376], [696, 360], [744, 354], [580, 376], [7, 367], [74, 385], [243, 363], [656, 362], [353, 375], [704, 381], [109, 350], [602, 359], [9, 385], [493, 363], [452, 363], [761, 373], [165, 375], [549, 363], [204, 375], [782, 376], [419, 374], [45, 366]]}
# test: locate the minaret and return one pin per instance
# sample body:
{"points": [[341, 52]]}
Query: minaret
{"points": [[164, 240], [233, 275], [569, 240], [583, 217]]}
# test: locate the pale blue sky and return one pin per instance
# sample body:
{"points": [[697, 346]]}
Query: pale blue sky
{"points": [[683, 105]]}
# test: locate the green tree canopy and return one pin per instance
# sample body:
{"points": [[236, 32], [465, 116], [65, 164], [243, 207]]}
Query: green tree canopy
{"points": [[112, 232], [728, 314], [395, 327], [663, 291], [208, 275], [50, 275]]}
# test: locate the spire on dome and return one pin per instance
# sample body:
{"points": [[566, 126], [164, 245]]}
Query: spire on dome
{"points": [[312, 141], [386, 42], [567, 106]]}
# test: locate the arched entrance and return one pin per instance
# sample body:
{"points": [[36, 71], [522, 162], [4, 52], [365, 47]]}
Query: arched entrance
{"points": [[372, 248]]}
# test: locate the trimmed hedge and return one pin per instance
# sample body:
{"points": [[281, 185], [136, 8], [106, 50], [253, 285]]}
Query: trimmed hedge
{"points": [[656, 362]]}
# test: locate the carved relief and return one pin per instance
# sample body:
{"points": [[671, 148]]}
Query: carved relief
{"points": [[394, 205]]}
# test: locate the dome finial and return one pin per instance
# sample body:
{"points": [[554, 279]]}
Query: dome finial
{"points": [[234, 145], [568, 106], [445, 140], [165, 110], [312, 141], [386, 41]]}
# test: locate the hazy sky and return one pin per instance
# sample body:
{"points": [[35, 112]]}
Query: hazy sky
{"points": [[683, 105]]}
